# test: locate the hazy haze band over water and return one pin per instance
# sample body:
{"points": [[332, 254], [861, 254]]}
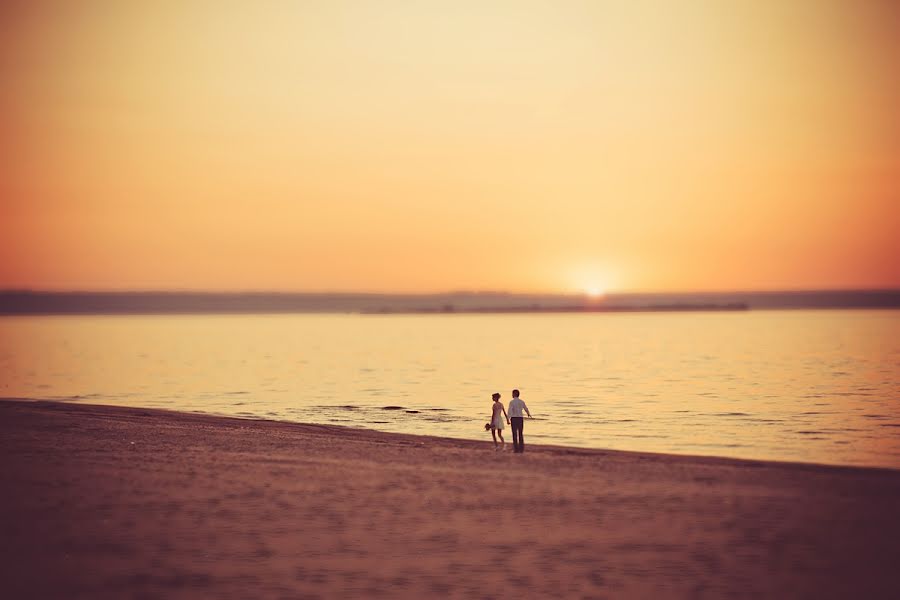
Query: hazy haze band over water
{"points": [[819, 386]]}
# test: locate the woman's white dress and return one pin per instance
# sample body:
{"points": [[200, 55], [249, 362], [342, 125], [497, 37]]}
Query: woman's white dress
{"points": [[498, 422]]}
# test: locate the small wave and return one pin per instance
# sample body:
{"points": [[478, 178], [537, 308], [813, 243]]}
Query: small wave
{"points": [[77, 397], [730, 414], [443, 420], [329, 408], [811, 432], [392, 408], [714, 445], [412, 412]]}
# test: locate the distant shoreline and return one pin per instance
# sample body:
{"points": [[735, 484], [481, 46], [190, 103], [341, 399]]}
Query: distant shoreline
{"points": [[153, 303], [567, 309]]}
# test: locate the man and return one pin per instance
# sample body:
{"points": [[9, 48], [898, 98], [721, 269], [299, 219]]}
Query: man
{"points": [[514, 410]]}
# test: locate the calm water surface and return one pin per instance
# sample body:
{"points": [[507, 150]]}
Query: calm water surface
{"points": [[817, 386]]}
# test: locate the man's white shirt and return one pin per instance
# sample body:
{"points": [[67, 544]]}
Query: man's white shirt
{"points": [[516, 408]]}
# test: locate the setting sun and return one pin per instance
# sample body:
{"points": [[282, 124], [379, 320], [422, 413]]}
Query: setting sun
{"points": [[595, 291]]}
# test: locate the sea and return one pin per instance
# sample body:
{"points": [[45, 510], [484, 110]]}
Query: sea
{"points": [[816, 386]]}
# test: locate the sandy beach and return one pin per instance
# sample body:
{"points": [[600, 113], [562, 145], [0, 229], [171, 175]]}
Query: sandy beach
{"points": [[109, 502]]}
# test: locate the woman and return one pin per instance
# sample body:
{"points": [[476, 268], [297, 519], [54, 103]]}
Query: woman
{"points": [[498, 415]]}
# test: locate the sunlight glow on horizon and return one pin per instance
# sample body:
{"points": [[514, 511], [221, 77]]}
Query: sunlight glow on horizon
{"points": [[573, 147]]}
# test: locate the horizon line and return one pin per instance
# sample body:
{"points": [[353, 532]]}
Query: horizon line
{"points": [[484, 292]]}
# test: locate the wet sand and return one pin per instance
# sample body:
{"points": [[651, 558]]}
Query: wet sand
{"points": [[109, 502]]}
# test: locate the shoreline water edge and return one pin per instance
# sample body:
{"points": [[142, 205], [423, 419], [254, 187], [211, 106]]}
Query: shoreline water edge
{"points": [[341, 431]]}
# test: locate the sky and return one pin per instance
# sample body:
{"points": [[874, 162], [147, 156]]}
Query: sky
{"points": [[397, 146]]}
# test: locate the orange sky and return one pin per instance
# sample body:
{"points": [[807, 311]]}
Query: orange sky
{"points": [[417, 146]]}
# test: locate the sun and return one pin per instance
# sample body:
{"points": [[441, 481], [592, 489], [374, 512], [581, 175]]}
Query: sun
{"points": [[594, 281]]}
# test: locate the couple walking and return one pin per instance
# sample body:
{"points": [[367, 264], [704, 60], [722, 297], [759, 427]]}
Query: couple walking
{"points": [[513, 417]]}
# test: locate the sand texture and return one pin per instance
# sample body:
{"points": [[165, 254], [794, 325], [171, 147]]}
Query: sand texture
{"points": [[107, 502]]}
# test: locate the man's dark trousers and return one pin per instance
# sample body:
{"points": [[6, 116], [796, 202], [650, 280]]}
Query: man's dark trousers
{"points": [[518, 424]]}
